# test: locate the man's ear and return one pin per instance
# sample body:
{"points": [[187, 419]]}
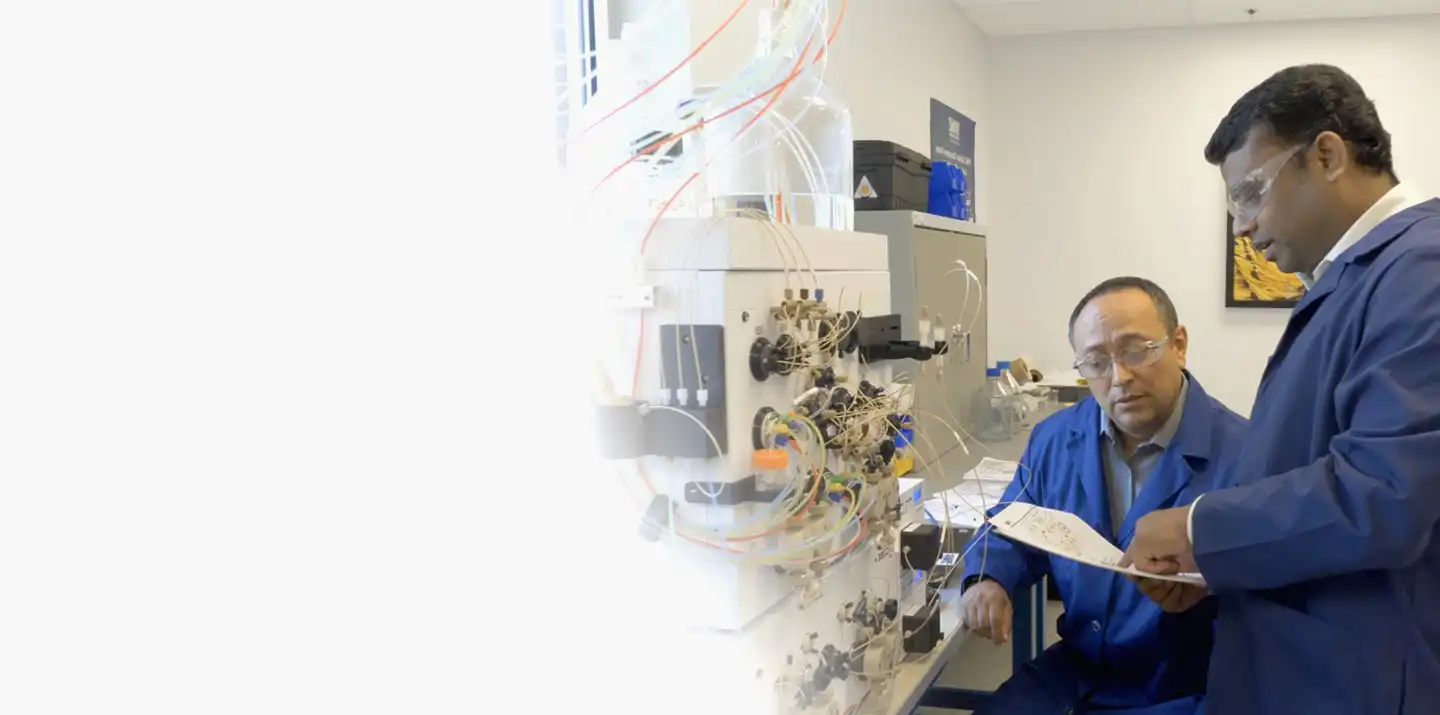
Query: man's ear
{"points": [[1181, 343], [1333, 155]]}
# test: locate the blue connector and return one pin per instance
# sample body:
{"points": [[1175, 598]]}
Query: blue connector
{"points": [[820, 294]]}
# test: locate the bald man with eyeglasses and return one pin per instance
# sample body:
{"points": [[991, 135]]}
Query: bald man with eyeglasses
{"points": [[1148, 438]]}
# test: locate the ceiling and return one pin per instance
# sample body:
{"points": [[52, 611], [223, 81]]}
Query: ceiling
{"points": [[1000, 18]]}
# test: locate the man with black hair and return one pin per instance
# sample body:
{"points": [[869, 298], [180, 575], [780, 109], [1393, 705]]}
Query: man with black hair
{"points": [[1148, 438], [1325, 557]]}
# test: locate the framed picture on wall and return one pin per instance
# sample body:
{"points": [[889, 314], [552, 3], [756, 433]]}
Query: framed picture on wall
{"points": [[1251, 281]]}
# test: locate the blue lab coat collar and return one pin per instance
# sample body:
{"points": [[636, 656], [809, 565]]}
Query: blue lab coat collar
{"points": [[1167, 432], [1373, 242], [1189, 452]]}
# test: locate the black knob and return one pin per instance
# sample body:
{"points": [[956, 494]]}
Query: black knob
{"points": [[869, 390], [811, 406], [823, 331], [763, 362], [757, 427], [887, 450], [825, 377], [822, 679], [834, 662], [894, 423]]}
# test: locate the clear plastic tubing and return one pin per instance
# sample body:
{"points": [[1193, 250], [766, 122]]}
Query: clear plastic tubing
{"points": [[795, 163]]}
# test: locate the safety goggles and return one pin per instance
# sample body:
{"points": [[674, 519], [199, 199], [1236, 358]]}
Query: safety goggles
{"points": [[1133, 357], [1247, 197]]}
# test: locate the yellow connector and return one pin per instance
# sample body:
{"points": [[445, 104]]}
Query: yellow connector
{"points": [[903, 465]]}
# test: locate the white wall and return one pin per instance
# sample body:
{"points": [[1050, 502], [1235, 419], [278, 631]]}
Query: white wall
{"points": [[1096, 169], [890, 58]]}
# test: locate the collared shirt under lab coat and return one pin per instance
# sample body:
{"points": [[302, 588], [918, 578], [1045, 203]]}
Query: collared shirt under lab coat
{"points": [[1397, 199], [1125, 477]]}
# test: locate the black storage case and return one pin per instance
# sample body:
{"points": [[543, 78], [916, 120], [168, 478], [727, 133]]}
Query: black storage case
{"points": [[900, 177]]}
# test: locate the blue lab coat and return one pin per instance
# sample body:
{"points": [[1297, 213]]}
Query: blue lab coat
{"points": [[1118, 650], [1325, 559]]}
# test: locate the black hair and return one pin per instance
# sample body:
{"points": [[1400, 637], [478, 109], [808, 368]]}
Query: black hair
{"points": [[1298, 104], [1158, 296]]}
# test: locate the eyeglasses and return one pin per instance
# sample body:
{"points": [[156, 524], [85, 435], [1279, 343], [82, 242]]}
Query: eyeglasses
{"points": [[1133, 357], [1247, 196]]}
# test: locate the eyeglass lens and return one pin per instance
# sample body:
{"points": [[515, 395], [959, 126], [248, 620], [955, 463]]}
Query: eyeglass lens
{"points": [[1134, 356]]}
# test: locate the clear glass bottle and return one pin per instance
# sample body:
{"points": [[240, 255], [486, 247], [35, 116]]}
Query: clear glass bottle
{"points": [[993, 409], [1024, 414], [796, 162]]}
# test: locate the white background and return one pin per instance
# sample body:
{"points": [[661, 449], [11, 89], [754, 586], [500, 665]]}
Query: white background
{"points": [[249, 325]]}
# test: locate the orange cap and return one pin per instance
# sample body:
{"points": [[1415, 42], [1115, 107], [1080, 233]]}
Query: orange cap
{"points": [[771, 459]]}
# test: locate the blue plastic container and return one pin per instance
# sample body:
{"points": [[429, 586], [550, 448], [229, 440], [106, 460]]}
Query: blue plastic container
{"points": [[905, 438], [947, 191]]}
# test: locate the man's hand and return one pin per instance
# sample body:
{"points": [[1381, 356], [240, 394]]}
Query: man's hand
{"points": [[1161, 543], [1172, 596], [985, 610]]}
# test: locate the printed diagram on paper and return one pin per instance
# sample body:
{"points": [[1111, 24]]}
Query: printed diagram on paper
{"points": [[1068, 536]]}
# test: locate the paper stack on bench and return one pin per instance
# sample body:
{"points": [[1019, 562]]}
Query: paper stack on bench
{"points": [[980, 489]]}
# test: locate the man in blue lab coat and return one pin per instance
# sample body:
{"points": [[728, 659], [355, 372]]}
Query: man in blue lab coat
{"points": [[1148, 438], [1324, 557]]}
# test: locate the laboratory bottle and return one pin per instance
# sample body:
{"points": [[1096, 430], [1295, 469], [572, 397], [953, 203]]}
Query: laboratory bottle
{"points": [[1012, 406], [795, 162], [1024, 413], [993, 410]]}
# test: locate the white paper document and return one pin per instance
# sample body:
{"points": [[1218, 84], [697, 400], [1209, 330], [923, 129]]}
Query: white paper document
{"points": [[1064, 534], [982, 488], [993, 470]]}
